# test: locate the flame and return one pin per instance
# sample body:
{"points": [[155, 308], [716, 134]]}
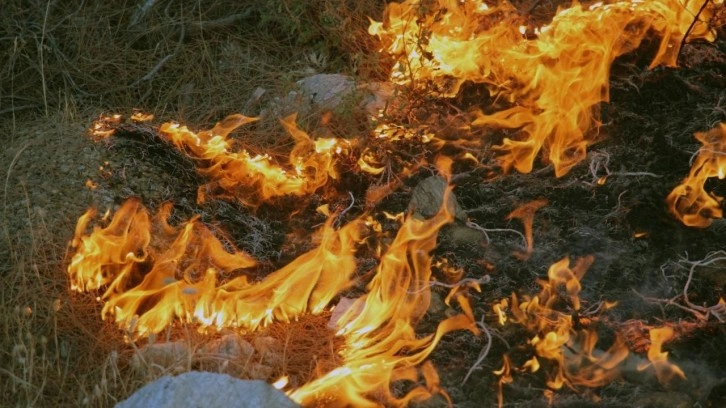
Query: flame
{"points": [[381, 346], [152, 273], [253, 179], [554, 80], [525, 214], [664, 370], [556, 337], [689, 201], [104, 126]]}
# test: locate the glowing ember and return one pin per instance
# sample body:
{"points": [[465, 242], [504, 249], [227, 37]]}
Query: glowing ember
{"points": [[555, 80], [689, 201]]}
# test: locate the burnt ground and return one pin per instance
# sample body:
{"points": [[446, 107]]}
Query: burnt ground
{"points": [[638, 248]]}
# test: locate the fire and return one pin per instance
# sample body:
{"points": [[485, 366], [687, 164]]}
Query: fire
{"points": [[690, 202], [664, 370], [525, 213], [152, 273], [252, 179], [558, 338], [554, 80], [381, 346]]}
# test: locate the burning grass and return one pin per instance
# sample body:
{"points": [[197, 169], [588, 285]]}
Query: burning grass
{"points": [[233, 279]]}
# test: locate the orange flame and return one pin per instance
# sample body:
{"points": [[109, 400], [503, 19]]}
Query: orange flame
{"points": [[525, 214], [381, 346], [556, 337], [689, 201], [556, 78], [153, 273], [238, 175]]}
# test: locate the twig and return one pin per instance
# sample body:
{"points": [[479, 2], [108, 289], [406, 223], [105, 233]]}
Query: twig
{"points": [[485, 231], [141, 12], [690, 28], [483, 354], [342, 213], [702, 313]]}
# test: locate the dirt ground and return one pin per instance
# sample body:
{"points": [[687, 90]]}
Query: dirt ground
{"points": [[640, 251]]}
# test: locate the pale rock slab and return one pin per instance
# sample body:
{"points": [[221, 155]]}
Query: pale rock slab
{"points": [[197, 389]]}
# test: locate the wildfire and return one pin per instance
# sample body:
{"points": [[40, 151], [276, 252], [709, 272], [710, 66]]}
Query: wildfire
{"points": [[153, 273], [566, 339], [237, 174], [381, 346], [554, 79], [559, 339], [690, 202]]}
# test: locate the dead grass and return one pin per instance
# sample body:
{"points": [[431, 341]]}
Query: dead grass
{"points": [[193, 60]]}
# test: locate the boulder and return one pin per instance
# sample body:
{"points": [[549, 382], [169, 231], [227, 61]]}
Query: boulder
{"points": [[197, 389]]}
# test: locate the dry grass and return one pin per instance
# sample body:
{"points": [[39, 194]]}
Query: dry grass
{"points": [[192, 61]]}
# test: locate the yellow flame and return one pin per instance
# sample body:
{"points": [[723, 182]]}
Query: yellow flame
{"points": [[557, 79], [381, 346], [252, 179], [150, 280]]}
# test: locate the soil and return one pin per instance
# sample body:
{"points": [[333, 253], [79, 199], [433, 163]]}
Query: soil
{"points": [[639, 249]]}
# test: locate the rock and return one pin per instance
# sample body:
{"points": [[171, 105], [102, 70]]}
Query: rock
{"points": [[437, 307], [428, 196], [377, 98], [201, 389], [162, 357], [269, 349], [327, 91], [426, 200], [230, 346], [258, 371]]}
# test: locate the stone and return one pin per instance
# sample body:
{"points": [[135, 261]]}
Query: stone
{"points": [[427, 197], [269, 349], [162, 357], [327, 91], [229, 346], [437, 306], [201, 389]]}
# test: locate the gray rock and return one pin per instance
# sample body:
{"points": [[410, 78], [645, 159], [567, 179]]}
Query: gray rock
{"points": [[327, 90], [206, 390], [428, 196]]}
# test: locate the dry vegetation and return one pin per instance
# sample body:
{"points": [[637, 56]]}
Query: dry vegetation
{"points": [[64, 62]]}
